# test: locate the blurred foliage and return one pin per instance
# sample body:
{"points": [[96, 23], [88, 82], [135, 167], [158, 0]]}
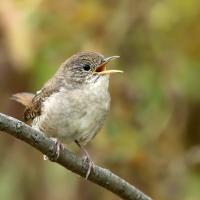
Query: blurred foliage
{"points": [[152, 134]]}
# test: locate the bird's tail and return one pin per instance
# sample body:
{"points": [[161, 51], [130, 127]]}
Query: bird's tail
{"points": [[24, 98]]}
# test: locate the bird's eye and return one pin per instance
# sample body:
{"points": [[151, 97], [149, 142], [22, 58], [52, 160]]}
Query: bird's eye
{"points": [[86, 67]]}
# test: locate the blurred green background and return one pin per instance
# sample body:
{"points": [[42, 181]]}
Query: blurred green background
{"points": [[152, 135]]}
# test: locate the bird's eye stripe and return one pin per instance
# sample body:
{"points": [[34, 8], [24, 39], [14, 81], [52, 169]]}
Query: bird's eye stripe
{"points": [[75, 68]]}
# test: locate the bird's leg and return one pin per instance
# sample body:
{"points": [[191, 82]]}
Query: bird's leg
{"points": [[87, 159], [58, 146]]}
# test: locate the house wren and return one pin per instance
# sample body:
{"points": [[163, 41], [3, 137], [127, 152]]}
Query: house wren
{"points": [[73, 104]]}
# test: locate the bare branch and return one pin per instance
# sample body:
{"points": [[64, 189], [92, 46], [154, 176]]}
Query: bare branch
{"points": [[70, 161]]}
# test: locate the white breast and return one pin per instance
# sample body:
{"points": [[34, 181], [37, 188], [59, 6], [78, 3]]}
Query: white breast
{"points": [[76, 114]]}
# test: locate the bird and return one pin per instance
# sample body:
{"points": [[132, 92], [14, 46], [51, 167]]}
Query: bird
{"points": [[73, 104]]}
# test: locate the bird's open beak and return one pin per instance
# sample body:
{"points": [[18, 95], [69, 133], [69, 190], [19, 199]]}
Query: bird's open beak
{"points": [[101, 69]]}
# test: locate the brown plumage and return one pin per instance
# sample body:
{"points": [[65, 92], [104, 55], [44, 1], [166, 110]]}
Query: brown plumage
{"points": [[23, 98], [73, 104], [33, 102]]}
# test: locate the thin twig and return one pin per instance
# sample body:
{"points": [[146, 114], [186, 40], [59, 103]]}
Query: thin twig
{"points": [[70, 161]]}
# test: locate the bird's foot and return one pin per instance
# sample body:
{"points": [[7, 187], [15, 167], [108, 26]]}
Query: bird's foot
{"points": [[87, 159], [90, 163], [58, 147]]}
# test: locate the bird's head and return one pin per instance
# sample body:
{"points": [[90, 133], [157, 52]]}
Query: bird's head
{"points": [[87, 67]]}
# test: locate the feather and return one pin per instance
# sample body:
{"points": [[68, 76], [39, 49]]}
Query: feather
{"points": [[23, 98]]}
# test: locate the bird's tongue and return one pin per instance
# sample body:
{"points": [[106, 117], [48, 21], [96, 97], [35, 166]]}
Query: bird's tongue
{"points": [[102, 70]]}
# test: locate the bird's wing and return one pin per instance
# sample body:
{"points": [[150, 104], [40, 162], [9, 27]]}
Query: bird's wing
{"points": [[34, 108]]}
